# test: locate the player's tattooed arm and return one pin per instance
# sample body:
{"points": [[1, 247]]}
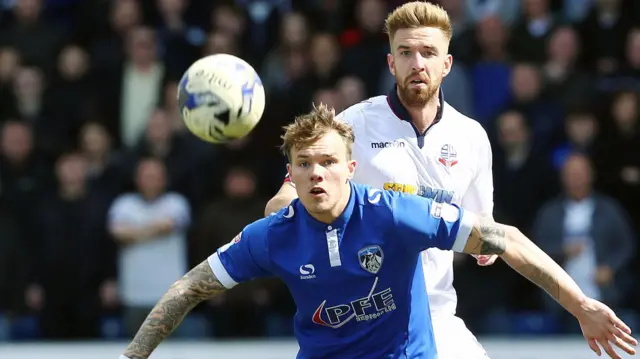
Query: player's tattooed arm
{"points": [[490, 237], [487, 237], [194, 287]]}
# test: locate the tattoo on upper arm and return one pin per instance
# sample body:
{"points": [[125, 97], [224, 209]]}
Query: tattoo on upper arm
{"points": [[491, 237], [196, 286]]}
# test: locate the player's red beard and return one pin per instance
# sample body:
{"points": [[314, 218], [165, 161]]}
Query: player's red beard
{"points": [[417, 96]]}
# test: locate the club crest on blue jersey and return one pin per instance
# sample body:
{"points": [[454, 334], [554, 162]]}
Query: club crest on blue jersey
{"points": [[370, 258], [448, 156]]}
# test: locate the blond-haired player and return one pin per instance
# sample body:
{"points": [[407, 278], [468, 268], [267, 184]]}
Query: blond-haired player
{"points": [[411, 140], [349, 252]]}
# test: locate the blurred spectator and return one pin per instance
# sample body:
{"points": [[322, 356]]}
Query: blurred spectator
{"points": [[582, 130], [588, 233], [70, 253], [150, 227], [219, 42], [530, 34], [566, 83], [523, 176], [619, 165], [294, 36], [25, 175], [508, 11], [32, 35], [542, 111], [463, 44], [108, 49], [13, 261], [69, 91], [133, 89], [491, 73], [604, 30], [351, 91], [175, 150], [105, 166], [31, 105], [9, 64], [323, 72], [366, 42], [179, 40]]}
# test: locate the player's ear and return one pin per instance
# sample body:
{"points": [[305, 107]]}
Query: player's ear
{"points": [[448, 62], [391, 63], [352, 168], [289, 172]]}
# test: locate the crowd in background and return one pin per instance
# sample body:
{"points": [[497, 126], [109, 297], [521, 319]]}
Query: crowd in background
{"points": [[106, 199]]}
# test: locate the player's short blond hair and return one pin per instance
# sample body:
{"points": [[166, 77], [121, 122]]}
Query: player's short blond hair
{"points": [[310, 127], [417, 14]]}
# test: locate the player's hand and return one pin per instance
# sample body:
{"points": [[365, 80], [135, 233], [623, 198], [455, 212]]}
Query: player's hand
{"points": [[601, 328], [485, 260]]}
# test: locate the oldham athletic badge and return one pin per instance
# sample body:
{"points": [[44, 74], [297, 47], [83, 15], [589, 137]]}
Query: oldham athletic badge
{"points": [[370, 258]]}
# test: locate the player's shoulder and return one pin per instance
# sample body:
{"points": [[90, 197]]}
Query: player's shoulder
{"points": [[286, 216], [369, 196], [363, 109], [457, 118]]}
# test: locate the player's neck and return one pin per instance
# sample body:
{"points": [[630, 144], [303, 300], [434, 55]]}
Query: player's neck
{"points": [[423, 116], [330, 216]]}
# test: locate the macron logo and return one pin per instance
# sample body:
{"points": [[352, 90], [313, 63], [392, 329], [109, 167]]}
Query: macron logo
{"points": [[308, 271], [394, 144]]}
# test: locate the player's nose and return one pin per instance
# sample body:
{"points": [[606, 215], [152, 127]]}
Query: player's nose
{"points": [[317, 173], [417, 63]]}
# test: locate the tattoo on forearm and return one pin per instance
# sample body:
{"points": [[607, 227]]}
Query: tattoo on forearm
{"points": [[542, 278], [196, 286], [491, 238]]}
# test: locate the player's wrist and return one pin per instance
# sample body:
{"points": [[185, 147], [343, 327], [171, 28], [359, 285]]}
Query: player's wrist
{"points": [[576, 304]]}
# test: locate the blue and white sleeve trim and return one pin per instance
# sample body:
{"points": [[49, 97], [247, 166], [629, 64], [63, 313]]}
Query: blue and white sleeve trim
{"points": [[464, 231], [220, 271]]}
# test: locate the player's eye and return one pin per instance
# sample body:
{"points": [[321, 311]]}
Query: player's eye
{"points": [[329, 162], [405, 53], [303, 164]]}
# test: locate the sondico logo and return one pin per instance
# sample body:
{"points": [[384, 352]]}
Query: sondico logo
{"points": [[307, 271], [392, 144], [437, 194], [370, 307]]}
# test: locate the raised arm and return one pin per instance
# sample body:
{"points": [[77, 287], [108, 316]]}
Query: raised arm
{"points": [[194, 287], [599, 323], [285, 195]]}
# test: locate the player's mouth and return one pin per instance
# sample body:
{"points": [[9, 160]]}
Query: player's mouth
{"points": [[317, 192], [417, 83]]}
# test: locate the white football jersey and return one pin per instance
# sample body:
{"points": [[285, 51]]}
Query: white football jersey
{"points": [[450, 163]]}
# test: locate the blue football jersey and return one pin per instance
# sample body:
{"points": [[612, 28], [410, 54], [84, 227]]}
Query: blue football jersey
{"points": [[357, 282]]}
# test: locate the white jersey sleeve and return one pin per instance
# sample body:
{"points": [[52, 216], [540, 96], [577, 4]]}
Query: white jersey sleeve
{"points": [[479, 195]]}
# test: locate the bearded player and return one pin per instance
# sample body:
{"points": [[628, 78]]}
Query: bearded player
{"points": [[412, 141]]}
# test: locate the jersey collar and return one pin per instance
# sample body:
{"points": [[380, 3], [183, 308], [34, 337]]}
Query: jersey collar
{"points": [[339, 222], [402, 113]]}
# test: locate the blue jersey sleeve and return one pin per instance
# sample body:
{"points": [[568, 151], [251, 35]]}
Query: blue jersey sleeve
{"points": [[246, 257], [422, 223]]}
